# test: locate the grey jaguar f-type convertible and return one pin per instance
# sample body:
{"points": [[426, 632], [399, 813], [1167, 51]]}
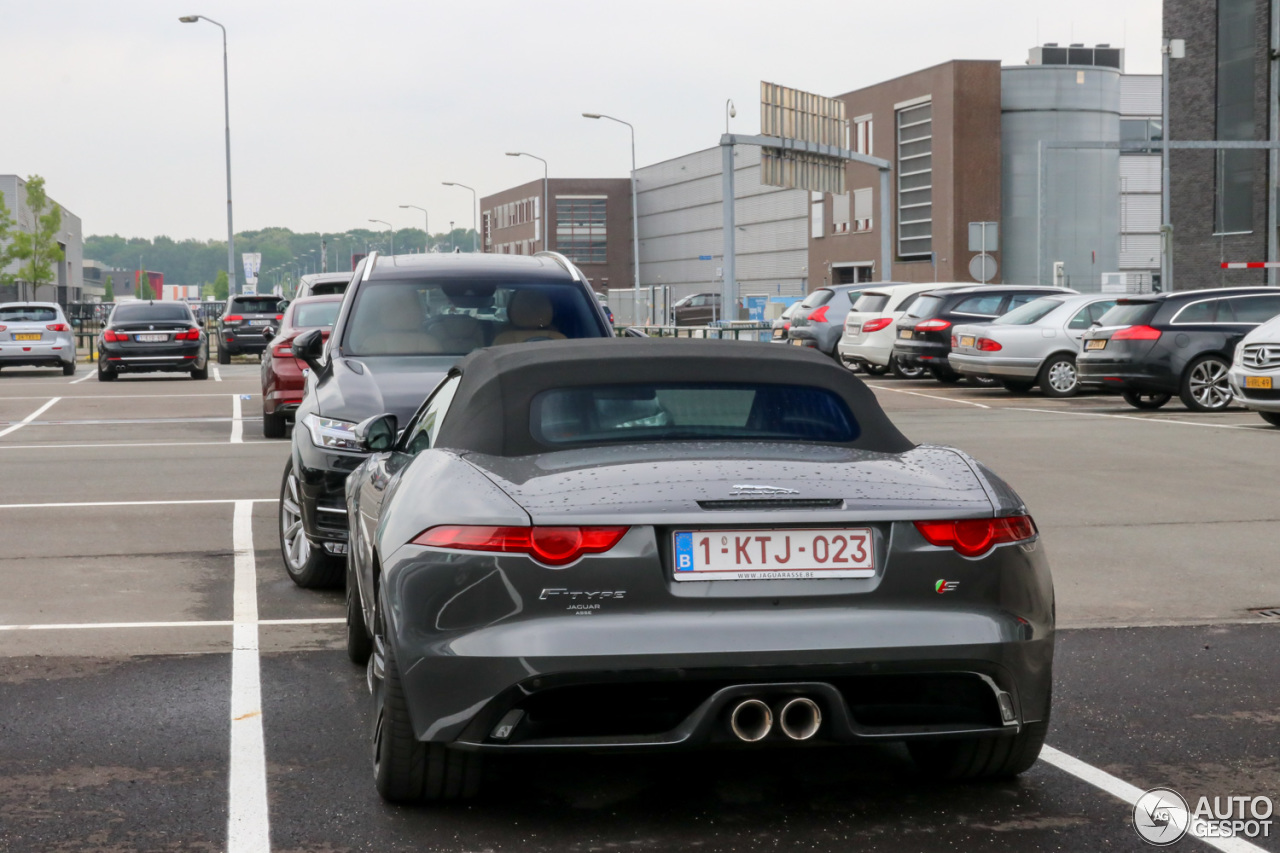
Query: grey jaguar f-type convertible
{"points": [[626, 545]]}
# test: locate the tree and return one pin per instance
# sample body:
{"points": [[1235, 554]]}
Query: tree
{"points": [[38, 250], [144, 286], [220, 286], [6, 247], [110, 294]]}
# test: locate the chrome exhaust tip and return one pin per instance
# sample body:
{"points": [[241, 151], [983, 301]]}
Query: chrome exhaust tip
{"points": [[800, 718], [751, 720]]}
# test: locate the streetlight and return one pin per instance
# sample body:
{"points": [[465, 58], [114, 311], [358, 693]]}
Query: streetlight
{"points": [[392, 248], [635, 218], [451, 247], [475, 205], [730, 111], [546, 211], [426, 225], [226, 108]]}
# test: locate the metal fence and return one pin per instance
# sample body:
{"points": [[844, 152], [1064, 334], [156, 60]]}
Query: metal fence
{"points": [[728, 331]]}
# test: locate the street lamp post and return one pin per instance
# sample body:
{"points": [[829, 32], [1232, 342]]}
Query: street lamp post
{"points": [[392, 247], [226, 109], [635, 218], [451, 235], [475, 205], [546, 210], [426, 225]]}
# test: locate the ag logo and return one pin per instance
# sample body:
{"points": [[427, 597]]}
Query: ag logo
{"points": [[1161, 816], [946, 586]]}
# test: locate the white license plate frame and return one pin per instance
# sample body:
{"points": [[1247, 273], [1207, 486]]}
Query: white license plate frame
{"points": [[967, 340], [151, 338], [739, 555]]}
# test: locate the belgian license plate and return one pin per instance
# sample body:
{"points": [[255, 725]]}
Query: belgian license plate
{"points": [[803, 554], [259, 322], [966, 340], [779, 333], [905, 333], [151, 339], [1096, 343], [1257, 382], [797, 343], [26, 337]]}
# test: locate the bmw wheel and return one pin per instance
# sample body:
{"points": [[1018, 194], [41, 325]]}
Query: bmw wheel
{"points": [[308, 567], [1140, 400], [1058, 377], [1204, 385]]}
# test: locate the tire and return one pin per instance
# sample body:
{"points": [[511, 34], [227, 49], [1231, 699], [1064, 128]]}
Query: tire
{"points": [[874, 369], [1059, 377], [1139, 400], [1204, 385], [982, 381], [943, 375], [981, 758], [273, 425], [1272, 418], [104, 373], [406, 770], [904, 371], [201, 372], [1016, 386], [69, 369], [224, 355], [309, 568], [359, 642]]}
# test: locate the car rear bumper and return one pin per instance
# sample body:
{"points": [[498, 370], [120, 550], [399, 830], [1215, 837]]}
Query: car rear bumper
{"points": [[1125, 374], [135, 359], [236, 341], [867, 351], [37, 353], [918, 353], [1010, 368]]}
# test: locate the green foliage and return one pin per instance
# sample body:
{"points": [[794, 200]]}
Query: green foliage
{"points": [[38, 250], [143, 289], [6, 247], [110, 294], [220, 288]]}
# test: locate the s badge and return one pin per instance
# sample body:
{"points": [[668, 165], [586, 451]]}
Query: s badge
{"points": [[946, 586]]}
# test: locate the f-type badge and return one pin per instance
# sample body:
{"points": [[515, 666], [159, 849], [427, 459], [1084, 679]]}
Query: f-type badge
{"points": [[946, 586], [760, 491]]}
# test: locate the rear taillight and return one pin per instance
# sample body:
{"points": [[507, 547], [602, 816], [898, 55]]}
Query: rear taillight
{"points": [[954, 343], [786, 325], [58, 327], [188, 335], [933, 326], [988, 345], [284, 351], [551, 546], [973, 537], [279, 317], [818, 315], [2, 328], [232, 318], [877, 324], [114, 337], [1136, 333]]}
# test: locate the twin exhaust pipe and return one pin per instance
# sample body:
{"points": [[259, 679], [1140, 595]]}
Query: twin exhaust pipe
{"points": [[751, 720]]}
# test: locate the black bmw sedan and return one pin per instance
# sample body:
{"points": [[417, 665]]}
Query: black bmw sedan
{"points": [[404, 321], [1152, 347], [142, 337]]}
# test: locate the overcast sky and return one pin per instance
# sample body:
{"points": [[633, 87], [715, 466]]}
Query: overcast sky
{"points": [[342, 111]]}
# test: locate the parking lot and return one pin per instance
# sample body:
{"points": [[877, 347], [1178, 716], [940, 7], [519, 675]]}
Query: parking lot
{"points": [[164, 686]]}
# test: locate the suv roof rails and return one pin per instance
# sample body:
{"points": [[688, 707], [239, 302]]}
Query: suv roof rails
{"points": [[370, 260], [562, 261]]}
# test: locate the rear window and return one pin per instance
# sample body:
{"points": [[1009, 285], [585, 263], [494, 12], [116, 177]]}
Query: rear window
{"points": [[319, 314], [28, 314], [983, 304], [254, 305], [328, 287], [925, 306], [440, 317], [871, 303], [817, 298], [690, 412], [1129, 314], [1030, 313], [141, 312]]}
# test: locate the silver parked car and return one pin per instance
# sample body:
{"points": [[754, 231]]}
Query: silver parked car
{"points": [[36, 334], [1035, 344], [1255, 371]]}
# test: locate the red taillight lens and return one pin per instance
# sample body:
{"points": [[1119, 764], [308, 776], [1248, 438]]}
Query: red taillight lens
{"points": [[232, 318], [58, 327], [973, 537], [933, 326], [114, 337], [954, 342], [2, 328], [1136, 333], [877, 324], [818, 315], [786, 325], [188, 335], [988, 345], [279, 317], [552, 546], [284, 351]]}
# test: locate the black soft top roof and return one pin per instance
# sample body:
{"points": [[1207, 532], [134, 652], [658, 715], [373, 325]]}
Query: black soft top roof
{"points": [[490, 413]]}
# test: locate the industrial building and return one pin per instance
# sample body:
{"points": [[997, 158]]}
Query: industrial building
{"points": [[68, 273]]}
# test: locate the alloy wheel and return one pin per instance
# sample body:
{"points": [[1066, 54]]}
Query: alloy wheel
{"points": [[1208, 386], [296, 547]]}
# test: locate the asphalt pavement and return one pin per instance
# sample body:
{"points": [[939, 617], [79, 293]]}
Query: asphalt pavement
{"points": [[146, 604]]}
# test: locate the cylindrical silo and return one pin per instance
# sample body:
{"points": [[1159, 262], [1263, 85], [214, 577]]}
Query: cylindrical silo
{"points": [[1077, 222]]}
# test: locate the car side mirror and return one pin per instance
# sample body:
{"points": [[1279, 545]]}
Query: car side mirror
{"points": [[309, 346], [282, 306], [377, 434]]}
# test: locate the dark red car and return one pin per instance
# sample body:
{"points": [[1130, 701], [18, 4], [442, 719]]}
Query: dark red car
{"points": [[282, 373]]}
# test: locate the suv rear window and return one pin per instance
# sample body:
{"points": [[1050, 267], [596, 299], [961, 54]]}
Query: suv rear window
{"points": [[140, 312], [28, 314], [254, 305], [325, 288], [1129, 313], [925, 306], [1032, 312], [818, 297], [319, 314], [690, 412], [982, 304], [871, 303]]}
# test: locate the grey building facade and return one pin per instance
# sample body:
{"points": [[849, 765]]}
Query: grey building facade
{"points": [[68, 274]]}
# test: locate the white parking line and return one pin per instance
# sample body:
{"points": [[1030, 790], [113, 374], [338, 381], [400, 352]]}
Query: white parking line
{"points": [[139, 503], [212, 623], [930, 396], [248, 828], [122, 396], [91, 374], [217, 374], [29, 418], [1147, 420], [1122, 790], [135, 444], [237, 422]]}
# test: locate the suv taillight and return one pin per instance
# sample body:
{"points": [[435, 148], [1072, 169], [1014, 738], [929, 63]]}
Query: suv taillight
{"points": [[818, 315], [233, 318], [933, 326], [58, 327], [877, 324]]}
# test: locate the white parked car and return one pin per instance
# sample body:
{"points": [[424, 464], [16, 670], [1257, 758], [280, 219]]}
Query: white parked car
{"points": [[1255, 371], [869, 329]]}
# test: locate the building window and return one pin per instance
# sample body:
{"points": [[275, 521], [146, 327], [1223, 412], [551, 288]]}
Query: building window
{"points": [[817, 229], [1235, 169], [862, 218], [581, 235], [863, 139], [840, 214], [915, 181]]}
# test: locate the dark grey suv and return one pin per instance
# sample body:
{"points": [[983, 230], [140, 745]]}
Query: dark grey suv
{"points": [[242, 323]]}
